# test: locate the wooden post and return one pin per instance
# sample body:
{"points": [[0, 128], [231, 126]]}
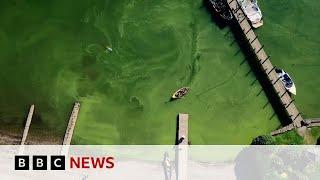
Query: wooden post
{"points": [[71, 124], [28, 122]]}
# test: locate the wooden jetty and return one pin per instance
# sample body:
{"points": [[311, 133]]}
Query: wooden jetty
{"points": [[315, 122], [182, 148], [71, 124], [264, 61], [282, 130], [183, 129], [27, 125]]}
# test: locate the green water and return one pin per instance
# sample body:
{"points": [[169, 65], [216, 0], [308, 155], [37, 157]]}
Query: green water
{"points": [[53, 54]]}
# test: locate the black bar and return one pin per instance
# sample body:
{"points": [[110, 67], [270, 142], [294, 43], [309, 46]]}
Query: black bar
{"points": [[290, 103], [248, 30], [276, 81], [242, 19], [253, 39], [230, 2], [260, 49], [271, 69], [283, 94], [265, 60], [296, 116]]}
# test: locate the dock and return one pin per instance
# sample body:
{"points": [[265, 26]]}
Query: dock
{"points": [[72, 122], [27, 125], [264, 61], [182, 129], [182, 147]]}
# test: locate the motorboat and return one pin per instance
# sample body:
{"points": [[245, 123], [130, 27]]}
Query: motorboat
{"points": [[287, 81], [180, 93], [222, 9], [252, 11]]}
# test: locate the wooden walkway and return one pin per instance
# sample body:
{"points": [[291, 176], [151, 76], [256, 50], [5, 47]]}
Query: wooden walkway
{"points": [[72, 122], [182, 148], [183, 129], [264, 60], [307, 123]]}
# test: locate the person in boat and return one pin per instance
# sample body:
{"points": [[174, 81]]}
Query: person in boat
{"points": [[180, 93]]}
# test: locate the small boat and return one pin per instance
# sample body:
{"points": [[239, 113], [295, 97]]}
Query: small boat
{"points": [[108, 49], [180, 93], [252, 11], [222, 9], [287, 81]]}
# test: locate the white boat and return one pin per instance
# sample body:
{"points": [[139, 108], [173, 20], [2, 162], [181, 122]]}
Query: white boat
{"points": [[252, 11], [180, 93], [287, 81]]}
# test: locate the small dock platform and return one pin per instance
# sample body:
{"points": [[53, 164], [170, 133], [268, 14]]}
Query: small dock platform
{"points": [[182, 147], [264, 62], [182, 129]]}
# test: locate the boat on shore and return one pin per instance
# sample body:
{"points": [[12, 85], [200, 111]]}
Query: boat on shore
{"points": [[287, 81], [221, 8], [180, 93], [252, 11]]}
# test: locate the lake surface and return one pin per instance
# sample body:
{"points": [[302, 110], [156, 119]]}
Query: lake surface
{"points": [[53, 54]]}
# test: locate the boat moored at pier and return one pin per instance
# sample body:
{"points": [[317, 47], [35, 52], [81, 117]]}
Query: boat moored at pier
{"points": [[252, 11], [287, 81]]}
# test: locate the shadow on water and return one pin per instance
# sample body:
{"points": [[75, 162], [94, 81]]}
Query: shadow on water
{"points": [[256, 69], [177, 131], [215, 17]]}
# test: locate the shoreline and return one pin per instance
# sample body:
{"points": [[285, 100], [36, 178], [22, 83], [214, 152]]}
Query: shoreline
{"points": [[13, 137]]}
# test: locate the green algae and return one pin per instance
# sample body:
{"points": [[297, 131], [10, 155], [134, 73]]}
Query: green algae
{"points": [[54, 54]]}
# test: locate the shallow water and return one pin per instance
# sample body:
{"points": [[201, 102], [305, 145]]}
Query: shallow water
{"points": [[53, 54]]}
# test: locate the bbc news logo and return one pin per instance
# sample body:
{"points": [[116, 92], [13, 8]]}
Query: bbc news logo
{"points": [[59, 162], [39, 163]]}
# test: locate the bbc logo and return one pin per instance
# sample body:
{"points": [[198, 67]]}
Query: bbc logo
{"points": [[39, 163]]}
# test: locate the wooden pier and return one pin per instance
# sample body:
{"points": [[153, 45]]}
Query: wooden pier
{"points": [[183, 129], [182, 147], [264, 61], [72, 122], [315, 122], [27, 125]]}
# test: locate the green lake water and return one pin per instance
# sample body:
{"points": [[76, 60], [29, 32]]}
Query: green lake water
{"points": [[53, 54]]}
